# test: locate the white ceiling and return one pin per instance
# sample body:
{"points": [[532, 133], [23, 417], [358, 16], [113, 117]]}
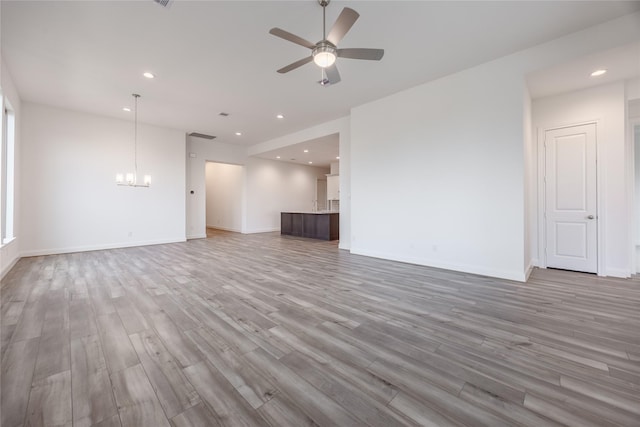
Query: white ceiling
{"points": [[215, 56], [621, 63], [320, 151]]}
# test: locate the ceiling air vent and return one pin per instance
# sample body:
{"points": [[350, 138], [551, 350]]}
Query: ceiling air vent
{"points": [[201, 135], [163, 3]]}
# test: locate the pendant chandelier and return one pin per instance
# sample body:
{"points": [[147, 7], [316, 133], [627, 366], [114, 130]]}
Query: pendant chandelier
{"points": [[130, 179]]}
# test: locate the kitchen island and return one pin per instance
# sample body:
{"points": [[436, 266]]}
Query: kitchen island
{"points": [[315, 225]]}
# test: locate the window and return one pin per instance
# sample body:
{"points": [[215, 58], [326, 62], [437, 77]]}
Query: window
{"points": [[7, 164]]}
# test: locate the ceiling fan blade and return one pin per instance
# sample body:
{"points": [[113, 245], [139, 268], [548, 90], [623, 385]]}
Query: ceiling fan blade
{"points": [[333, 76], [295, 65], [278, 32], [343, 24], [361, 53]]}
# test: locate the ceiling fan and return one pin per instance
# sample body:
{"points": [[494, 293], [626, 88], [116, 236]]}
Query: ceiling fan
{"points": [[325, 52]]}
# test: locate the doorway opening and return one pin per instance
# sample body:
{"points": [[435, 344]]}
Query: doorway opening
{"points": [[224, 184]]}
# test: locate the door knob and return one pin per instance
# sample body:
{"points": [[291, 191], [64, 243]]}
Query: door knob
{"points": [[590, 217]]}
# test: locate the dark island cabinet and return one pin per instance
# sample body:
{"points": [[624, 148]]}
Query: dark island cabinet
{"points": [[314, 225]]}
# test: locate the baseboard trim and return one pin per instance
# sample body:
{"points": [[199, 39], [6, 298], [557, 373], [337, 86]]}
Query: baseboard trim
{"points": [[508, 275], [196, 236], [262, 230], [217, 227], [528, 270], [89, 248], [618, 272], [9, 266]]}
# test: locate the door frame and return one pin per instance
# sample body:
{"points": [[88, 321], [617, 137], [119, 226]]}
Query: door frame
{"points": [[542, 192], [634, 212]]}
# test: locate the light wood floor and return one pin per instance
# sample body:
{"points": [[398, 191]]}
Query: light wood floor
{"points": [[262, 330]]}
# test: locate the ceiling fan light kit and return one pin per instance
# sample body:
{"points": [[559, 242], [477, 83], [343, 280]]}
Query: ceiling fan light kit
{"points": [[325, 53]]}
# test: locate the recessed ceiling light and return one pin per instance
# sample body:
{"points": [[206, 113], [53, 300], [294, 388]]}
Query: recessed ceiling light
{"points": [[597, 73], [280, 116], [238, 133], [148, 75], [310, 163], [306, 151], [277, 157], [337, 157], [127, 109]]}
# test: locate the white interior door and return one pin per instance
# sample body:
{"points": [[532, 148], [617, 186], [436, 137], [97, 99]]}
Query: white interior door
{"points": [[570, 189]]}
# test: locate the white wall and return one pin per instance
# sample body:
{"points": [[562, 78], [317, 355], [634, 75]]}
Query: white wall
{"points": [[10, 252], [70, 200], [636, 242], [604, 105], [345, 186], [530, 213], [273, 187], [437, 174], [225, 194], [633, 103]]}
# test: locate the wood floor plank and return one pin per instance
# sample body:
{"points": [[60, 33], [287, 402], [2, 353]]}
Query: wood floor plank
{"points": [[113, 421], [117, 348], [31, 320], [518, 414], [254, 388], [17, 373], [93, 400], [174, 340], [82, 320], [624, 402], [136, 400], [53, 354], [132, 318], [174, 391], [279, 412], [312, 402], [271, 330], [226, 404], [559, 413], [420, 413], [345, 394], [50, 401], [196, 416]]}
